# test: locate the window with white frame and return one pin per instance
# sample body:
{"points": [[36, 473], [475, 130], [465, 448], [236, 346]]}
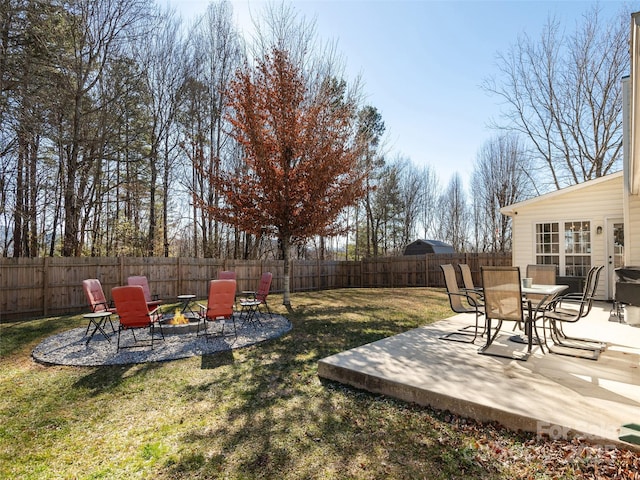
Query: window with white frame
{"points": [[577, 248], [547, 244], [574, 257]]}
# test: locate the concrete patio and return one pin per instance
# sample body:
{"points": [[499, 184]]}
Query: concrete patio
{"points": [[548, 394]]}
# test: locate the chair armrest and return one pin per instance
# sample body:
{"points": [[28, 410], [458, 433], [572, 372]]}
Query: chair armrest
{"points": [[105, 304], [573, 298], [155, 315], [477, 305], [474, 296]]}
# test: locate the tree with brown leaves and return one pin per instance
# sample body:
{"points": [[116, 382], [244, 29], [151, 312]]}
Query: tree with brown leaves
{"points": [[300, 159]]}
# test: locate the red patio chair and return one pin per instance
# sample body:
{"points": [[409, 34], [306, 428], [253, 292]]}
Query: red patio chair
{"points": [[97, 301], [219, 307], [152, 300], [226, 275], [250, 305], [259, 298], [134, 313]]}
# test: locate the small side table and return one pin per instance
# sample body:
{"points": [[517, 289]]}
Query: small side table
{"points": [[186, 305], [250, 312], [99, 321]]}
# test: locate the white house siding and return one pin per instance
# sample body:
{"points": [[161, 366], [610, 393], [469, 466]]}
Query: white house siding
{"points": [[592, 201], [632, 232]]}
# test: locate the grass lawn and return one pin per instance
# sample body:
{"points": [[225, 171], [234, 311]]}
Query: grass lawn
{"points": [[259, 412]]}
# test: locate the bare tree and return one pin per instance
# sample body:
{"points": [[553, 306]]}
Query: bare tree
{"points": [[499, 178], [429, 195], [562, 92], [370, 130], [385, 210], [411, 189], [453, 213], [96, 31], [159, 54], [215, 54]]}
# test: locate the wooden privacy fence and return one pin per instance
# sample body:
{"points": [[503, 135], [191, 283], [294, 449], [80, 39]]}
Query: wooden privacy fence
{"points": [[32, 287]]}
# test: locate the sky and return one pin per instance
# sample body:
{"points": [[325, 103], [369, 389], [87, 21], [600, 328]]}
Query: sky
{"points": [[422, 63]]}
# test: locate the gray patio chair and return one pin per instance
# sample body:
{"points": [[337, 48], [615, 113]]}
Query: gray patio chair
{"points": [[469, 333], [503, 302], [570, 308]]}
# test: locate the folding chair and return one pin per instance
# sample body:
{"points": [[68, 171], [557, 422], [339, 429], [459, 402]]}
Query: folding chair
{"points": [[98, 303], [250, 306], [219, 307], [152, 300], [226, 275], [134, 313]]}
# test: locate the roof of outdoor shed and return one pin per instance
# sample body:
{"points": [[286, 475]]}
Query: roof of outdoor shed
{"points": [[420, 247]]}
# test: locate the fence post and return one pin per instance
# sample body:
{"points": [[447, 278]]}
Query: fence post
{"points": [[179, 276], [45, 286]]}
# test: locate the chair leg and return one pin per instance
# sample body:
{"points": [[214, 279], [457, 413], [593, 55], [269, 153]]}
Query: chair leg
{"points": [[200, 320], [206, 329], [592, 344], [235, 331], [464, 333], [152, 332], [559, 339], [206, 333], [533, 330], [491, 338], [111, 323], [267, 307], [160, 327]]}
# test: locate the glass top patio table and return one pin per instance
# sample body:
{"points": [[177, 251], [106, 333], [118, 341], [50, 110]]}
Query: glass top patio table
{"points": [[547, 293], [548, 290]]}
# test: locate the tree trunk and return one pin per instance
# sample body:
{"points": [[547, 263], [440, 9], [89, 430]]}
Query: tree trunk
{"points": [[286, 294], [153, 166]]}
